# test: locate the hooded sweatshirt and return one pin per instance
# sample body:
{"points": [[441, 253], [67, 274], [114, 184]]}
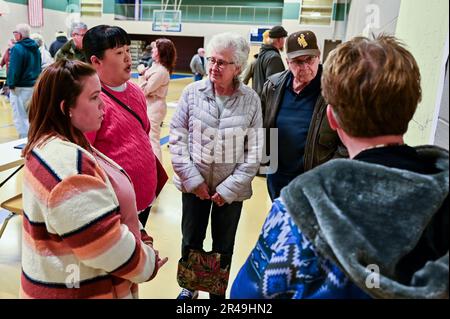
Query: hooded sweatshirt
{"points": [[24, 64], [375, 226], [359, 214]]}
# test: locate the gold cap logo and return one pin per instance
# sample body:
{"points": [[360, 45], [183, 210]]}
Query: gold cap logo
{"points": [[301, 41]]}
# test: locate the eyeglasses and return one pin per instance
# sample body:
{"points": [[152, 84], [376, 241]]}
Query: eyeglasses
{"points": [[309, 60], [79, 34], [220, 63]]}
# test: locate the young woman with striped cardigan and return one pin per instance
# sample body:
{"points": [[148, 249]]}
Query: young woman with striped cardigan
{"points": [[81, 234]]}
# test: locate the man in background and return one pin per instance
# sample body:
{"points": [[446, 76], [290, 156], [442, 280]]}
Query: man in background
{"points": [[24, 69], [292, 102], [198, 65], [61, 39], [269, 59], [73, 49]]}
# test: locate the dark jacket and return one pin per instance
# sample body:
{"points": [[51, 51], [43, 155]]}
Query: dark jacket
{"points": [[268, 62], [70, 52], [322, 143], [248, 72], [24, 64], [57, 44]]}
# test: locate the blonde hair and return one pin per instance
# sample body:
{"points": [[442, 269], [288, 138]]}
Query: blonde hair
{"points": [[266, 39]]}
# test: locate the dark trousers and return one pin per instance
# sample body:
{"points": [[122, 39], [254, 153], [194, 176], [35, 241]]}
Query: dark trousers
{"points": [[224, 222], [276, 182], [144, 216]]}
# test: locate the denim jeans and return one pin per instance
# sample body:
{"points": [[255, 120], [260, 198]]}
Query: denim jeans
{"points": [[19, 98], [224, 222]]}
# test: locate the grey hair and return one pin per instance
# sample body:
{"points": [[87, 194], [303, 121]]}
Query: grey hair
{"points": [[233, 41], [38, 39], [24, 29], [76, 26]]}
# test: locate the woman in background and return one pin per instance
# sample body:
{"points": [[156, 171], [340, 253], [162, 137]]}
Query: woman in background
{"points": [[81, 236], [155, 85], [46, 57]]}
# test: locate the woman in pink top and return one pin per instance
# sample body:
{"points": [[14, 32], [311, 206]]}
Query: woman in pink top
{"points": [[155, 84], [123, 135]]}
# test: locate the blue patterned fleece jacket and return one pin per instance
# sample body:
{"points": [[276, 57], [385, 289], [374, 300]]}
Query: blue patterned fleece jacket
{"points": [[332, 222]]}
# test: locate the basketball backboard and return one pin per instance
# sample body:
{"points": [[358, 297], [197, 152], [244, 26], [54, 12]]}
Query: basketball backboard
{"points": [[167, 20]]}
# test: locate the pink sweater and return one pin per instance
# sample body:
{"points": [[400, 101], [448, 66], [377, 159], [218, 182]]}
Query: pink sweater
{"points": [[122, 138]]}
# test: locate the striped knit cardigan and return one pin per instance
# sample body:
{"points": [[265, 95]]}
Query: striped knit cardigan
{"points": [[74, 245]]}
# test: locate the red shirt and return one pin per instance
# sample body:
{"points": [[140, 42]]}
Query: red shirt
{"points": [[123, 139]]}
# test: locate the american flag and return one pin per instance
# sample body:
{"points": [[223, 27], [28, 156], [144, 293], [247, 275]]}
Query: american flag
{"points": [[35, 13]]}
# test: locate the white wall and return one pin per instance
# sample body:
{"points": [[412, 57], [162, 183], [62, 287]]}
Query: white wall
{"points": [[372, 16], [423, 27], [53, 21]]}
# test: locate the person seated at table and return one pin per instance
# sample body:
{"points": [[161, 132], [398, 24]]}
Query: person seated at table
{"points": [[80, 226]]}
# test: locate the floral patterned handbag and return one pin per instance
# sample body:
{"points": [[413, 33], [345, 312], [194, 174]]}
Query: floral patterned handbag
{"points": [[202, 271]]}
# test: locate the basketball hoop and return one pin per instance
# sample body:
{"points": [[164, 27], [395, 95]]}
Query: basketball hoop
{"points": [[165, 26], [167, 20]]}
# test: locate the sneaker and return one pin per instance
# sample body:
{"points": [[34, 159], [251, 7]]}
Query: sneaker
{"points": [[187, 294]]}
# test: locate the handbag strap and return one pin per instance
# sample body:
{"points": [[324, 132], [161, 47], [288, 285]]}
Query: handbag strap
{"points": [[124, 106]]}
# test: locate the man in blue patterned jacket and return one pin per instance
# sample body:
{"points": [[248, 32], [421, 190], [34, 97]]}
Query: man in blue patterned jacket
{"points": [[375, 225]]}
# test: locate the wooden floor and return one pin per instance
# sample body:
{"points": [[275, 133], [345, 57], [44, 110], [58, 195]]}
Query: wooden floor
{"points": [[164, 222]]}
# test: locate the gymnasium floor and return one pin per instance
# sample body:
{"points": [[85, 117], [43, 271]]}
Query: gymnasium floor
{"points": [[164, 222]]}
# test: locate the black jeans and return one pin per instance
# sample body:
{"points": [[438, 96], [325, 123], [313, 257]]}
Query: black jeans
{"points": [[144, 215], [224, 222]]}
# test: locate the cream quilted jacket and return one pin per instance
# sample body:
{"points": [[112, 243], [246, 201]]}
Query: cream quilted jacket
{"points": [[223, 151]]}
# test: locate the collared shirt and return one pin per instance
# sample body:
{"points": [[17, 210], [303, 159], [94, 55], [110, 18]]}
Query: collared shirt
{"points": [[293, 122]]}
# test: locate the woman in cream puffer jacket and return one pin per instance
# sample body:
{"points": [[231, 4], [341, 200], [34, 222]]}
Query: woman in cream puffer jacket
{"points": [[216, 140], [198, 141]]}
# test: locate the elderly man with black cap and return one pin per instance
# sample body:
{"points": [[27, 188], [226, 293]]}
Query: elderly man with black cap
{"points": [[292, 102], [269, 59]]}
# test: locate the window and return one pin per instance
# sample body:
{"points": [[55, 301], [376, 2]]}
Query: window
{"points": [[316, 12], [91, 8]]}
